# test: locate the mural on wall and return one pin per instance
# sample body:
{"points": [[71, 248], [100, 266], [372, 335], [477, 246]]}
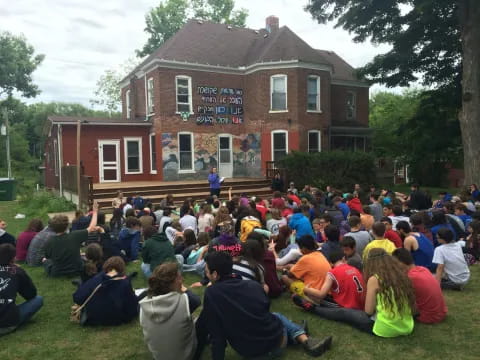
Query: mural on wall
{"points": [[246, 155], [221, 106]]}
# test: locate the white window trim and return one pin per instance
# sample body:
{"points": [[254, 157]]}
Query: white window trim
{"points": [[152, 171], [140, 154], [319, 97], [271, 140], [150, 99], [127, 103], [189, 78], [319, 140], [192, 169], [354, 93], [271, 93]]}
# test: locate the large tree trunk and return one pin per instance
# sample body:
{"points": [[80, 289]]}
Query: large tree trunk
{"points": [[470, 114]]}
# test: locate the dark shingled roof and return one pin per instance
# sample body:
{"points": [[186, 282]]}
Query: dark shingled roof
{"points": [[207, 43]]}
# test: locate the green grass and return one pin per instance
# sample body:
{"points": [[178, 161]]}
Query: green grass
{"points": [[50, 335]]}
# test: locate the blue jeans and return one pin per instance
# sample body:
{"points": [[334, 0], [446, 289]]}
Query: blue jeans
{"points": [[147, 271], [198, 268], [29, 308]]}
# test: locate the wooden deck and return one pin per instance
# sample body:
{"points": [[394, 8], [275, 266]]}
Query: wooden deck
{"points": [[141, 184]]}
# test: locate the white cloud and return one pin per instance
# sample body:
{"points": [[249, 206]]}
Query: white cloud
{"points": [[83, 38]]}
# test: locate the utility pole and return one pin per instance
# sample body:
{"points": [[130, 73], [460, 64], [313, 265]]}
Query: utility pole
{"points": [[79, 185], [7, 133]]}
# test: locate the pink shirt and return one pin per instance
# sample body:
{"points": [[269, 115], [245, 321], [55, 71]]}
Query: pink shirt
{"points": [[23, 241]]}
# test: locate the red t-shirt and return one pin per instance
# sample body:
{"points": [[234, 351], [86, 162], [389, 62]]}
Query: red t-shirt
{"points": [[262, 210], [394, 237], [428, 294], [348, 288], [278, 203], [295, 199]]}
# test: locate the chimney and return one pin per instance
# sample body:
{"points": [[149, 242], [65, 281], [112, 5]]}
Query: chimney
{"points": [[272, 23]]}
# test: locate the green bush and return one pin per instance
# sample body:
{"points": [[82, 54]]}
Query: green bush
{"points": [[40, 203], [340, 169]]}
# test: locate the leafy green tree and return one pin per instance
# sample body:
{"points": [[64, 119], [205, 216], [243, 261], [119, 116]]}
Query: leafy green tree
{"points": [[163, 21], [17, 63], [432, 40]]}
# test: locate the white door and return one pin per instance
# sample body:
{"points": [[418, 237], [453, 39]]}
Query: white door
{"points": [[109, 160], [225, 156]]}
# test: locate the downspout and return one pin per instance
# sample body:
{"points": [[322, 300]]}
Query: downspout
{"points": [[146, 98], [60, 158]]}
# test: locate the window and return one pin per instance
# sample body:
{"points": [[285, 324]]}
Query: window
{"points": [[184, 94], [150, 107], [133, 155], [153, 155], [313, 93], [351, 105], [127, 103], [278, 90], [314, 141], [279, 144], [185, 152]]}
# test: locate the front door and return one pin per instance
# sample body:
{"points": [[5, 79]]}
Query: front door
{"points": [[109, 160], [225, 156]]}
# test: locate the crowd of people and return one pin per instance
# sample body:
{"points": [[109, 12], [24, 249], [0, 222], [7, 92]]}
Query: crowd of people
{"points": [[376, 260]]}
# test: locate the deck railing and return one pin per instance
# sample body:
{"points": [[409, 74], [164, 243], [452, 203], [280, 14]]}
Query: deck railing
{"points": [[69, 183]]}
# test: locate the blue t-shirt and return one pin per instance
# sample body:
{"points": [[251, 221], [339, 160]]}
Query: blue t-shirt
{"points": [[344, 209], [424, 254], [438, 227]]}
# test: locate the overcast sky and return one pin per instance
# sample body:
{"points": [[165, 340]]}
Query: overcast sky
{"points": [[83, 38]]}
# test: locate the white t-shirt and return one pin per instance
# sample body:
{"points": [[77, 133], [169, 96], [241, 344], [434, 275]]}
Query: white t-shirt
{"points": [[189, 222], [456, 267], [274, 225], [205, 222], [397, 219], [126, 207], [163, 221]]}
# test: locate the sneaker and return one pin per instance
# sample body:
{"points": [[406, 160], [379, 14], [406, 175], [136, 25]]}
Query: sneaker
{"points": [[316, 347], [301, 302]]}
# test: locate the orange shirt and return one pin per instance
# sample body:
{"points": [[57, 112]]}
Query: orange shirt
{"points": [[367, 221], [312, 269]]}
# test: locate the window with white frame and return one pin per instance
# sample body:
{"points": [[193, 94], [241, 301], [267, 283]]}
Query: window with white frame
{"points": [[314, 141], [185, 151], [133, 155], [313, 93], [150, 94], [278, 92], [153, 155], [279, 144], [351, 105], [183, 85], [127, 103]]}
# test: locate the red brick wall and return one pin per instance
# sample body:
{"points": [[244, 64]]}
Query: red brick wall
{"points": [[90, 136], [339, 104]]}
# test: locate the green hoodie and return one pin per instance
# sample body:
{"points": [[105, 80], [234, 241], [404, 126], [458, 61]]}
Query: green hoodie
{"points": [[157, 250]]}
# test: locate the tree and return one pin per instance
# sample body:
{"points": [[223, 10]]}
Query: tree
{"points": [[108, 92], [436, 40], [17, 63], [167, 18]]}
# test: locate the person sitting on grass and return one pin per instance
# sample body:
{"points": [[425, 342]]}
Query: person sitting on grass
{"points": [[362, 237], [257, 332], [353, 258], [166, 315], [36, 249], [157, 250], [460, 213], [343, 286], [430, 303], [112, 299], [129, 239], [452, 269], [391, 234], [310, 270], [417, 244], [378, 232], [300, 223], [62, 251], [13, 280], [25, 238], [93, 262], [5, 237], [249, 265], [389, 301], [332, 232]]}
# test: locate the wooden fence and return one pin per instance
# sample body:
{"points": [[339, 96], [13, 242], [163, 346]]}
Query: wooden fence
{"points": [[69, 183]]}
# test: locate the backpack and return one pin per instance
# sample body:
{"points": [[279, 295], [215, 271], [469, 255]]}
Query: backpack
{"points": [[247, 225]]}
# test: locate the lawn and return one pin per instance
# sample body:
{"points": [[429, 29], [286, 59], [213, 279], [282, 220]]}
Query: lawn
{"points": [[50, 335]]}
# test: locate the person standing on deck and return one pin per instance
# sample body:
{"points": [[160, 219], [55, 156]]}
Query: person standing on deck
{"points": [[214, 180]]}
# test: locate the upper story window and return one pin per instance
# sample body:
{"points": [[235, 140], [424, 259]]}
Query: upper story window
{"points": [[127, 103], [183, 86], [278, 92], [351, 105], [150, 107], [313, 93]]}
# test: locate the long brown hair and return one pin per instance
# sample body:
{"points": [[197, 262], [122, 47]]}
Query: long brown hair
{"points": [[162, 279], [474, 239], [396, 288], [222, 216]]}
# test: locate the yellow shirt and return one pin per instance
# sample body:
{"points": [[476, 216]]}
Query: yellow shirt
{"points": [[384, 244]]}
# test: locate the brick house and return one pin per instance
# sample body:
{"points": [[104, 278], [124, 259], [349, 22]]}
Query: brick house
{"points": [[223, 96]]}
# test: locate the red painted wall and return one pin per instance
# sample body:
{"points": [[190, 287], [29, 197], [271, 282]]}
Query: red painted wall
{"points": [[90, 136]]}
